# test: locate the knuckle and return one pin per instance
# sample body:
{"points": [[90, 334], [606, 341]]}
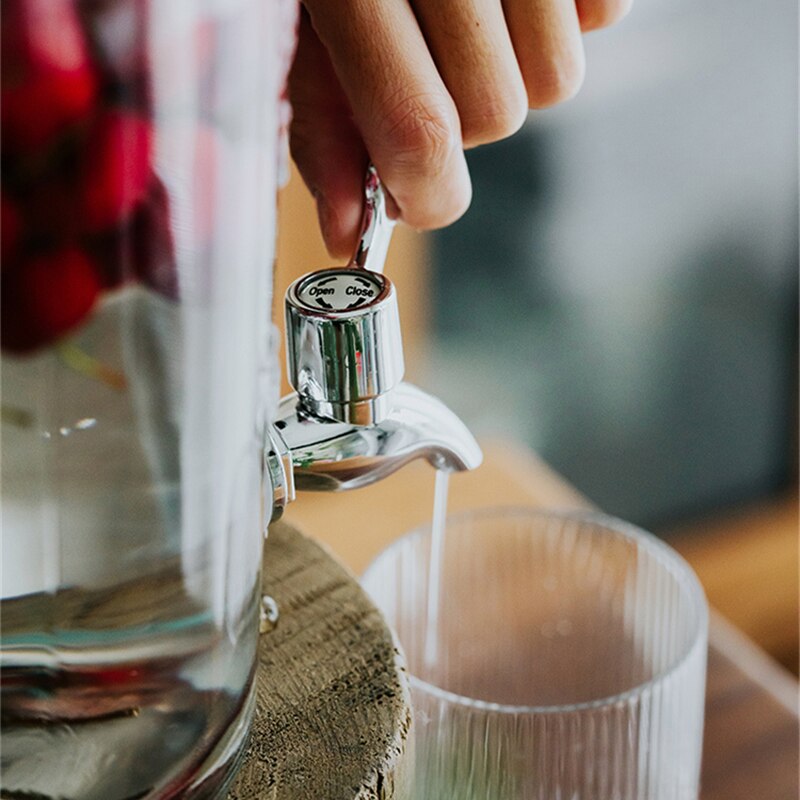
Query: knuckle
{"points": [[493, 119], [557, 82], [597, 14], [423, 131]]}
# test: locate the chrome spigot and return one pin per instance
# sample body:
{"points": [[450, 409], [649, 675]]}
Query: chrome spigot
{"points": [[352, 420]]}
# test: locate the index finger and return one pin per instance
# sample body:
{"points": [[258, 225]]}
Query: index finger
{"points": [[400, 104]]}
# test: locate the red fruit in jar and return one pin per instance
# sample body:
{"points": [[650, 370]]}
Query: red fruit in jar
{"points": [[48, 82], [119, 30], [104, 677], [10, 228], [117, 168], [48, 206], [111, 253], [45, 296], [141, 250], [153, 246]]}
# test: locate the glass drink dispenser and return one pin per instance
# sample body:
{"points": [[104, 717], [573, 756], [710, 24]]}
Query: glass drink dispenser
{"points": [[138, 188]]}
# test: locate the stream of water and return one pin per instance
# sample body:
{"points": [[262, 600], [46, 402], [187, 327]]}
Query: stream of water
{"points": [[438, 527]]}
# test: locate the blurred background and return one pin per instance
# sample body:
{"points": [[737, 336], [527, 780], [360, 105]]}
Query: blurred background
{"points": [[622, 295], [625, 282]]}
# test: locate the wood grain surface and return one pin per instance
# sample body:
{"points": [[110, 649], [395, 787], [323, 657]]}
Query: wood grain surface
{"points": [[751, 734], [332, 709]]}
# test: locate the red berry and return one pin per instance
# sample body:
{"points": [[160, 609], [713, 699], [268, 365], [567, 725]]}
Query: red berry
{"points": [[119, 30], [111, 252], [106, 677], [141, 250], [10, 228], [48, 206], [117, 169], [120, 35], [48, 83], [46, 296], [153, 246]]}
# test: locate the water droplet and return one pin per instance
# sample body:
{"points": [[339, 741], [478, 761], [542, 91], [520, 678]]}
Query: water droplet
{"points": [[65, 431], [86, 422], [268, 614]]}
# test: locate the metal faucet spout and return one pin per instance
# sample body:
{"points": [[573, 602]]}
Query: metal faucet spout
{"points": [[335, 456], [352, 421]]}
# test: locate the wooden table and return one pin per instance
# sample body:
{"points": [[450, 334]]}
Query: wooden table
{"points": [[751, 738]]}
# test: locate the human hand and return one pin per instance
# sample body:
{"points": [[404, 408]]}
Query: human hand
{"points": [[409, 85]]}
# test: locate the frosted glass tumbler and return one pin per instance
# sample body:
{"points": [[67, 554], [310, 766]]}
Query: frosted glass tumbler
{"points": [[552, 657]]}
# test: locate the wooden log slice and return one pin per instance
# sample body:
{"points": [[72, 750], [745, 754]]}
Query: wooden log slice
{"points": [[332, 705]]}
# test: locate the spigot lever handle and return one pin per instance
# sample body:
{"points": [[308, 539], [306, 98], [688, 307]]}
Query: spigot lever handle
{"points": [[376, 227], [351, 420]]}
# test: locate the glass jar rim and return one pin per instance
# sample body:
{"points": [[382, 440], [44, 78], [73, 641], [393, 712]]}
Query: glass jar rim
{"points": [[671, 560]]}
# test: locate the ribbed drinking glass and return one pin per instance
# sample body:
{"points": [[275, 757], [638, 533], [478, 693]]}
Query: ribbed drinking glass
{"points": [[552, 657]]}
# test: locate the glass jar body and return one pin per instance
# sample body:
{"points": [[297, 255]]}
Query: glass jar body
{"points": [[139, 161]]}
